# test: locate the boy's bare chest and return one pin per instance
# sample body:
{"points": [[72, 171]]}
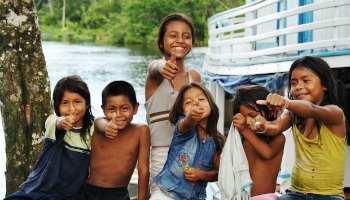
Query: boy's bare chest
{"points": [[121, 143]]}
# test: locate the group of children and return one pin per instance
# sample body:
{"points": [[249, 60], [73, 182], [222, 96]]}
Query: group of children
{"points": [[178, 153]]}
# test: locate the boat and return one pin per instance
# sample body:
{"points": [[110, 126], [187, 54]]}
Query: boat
{"points": [[256, 44]]}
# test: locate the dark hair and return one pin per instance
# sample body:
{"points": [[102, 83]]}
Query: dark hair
{"points": [[164, 23], [248, 95], [116, 88], [74, 84], [325, 74], [213, 118]]}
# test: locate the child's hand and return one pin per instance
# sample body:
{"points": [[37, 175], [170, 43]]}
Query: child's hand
{"points": [[273, 102], [170, 69], [240, 122], [111, 130], [258, 124], [192, 174], [196, 111], [67, 123]]}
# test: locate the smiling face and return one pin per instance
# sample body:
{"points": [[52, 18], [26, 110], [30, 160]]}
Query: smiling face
{"points": [[195, 94], [177, 39], [123, 108], [73, 103], [306, 85]]}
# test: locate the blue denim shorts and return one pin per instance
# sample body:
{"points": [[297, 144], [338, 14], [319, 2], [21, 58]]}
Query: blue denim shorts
{"points": [[291, 195]]}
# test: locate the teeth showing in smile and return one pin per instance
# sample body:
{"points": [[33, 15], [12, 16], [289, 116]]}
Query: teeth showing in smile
{"points": [[119, 122], [179, 48]]}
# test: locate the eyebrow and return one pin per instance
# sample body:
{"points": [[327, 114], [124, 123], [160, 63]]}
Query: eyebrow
{"points": [[175, 31], [252, 112], [305, 76]]}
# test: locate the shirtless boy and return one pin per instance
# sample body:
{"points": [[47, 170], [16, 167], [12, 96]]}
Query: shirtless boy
{"points": [[117, 145], [264, 153]]}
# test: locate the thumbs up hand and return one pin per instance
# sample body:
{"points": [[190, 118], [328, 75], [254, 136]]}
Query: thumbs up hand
{"points": [[275, 102], [170, 69], [197, 111], [111, 130], [67, 122]]}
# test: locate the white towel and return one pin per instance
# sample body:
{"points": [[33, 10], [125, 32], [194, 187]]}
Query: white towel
{"points": [[234, 179]]}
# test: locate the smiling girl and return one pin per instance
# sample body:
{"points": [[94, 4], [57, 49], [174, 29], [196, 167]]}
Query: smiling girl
{"points": [[62, 166], [318, 125], [165, 78], [194, 153]]}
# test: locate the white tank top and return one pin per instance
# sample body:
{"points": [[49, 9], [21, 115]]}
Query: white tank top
{"points": [[158, 107]]}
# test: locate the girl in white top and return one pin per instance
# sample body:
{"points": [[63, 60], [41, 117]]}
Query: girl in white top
{"points": [[176, 37]]}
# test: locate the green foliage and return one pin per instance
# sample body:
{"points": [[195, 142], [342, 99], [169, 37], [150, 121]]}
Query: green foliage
{"points": [[120, 22]]}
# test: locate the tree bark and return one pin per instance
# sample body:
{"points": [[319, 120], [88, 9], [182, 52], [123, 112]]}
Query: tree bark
{"points": [[24, 89]]}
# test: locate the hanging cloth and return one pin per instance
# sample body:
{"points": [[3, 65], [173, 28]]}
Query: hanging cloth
{"points": [[234, 179]]}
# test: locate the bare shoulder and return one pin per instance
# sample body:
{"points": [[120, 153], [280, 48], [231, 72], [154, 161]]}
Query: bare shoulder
{"points": [[334, 108], [280, 136], [279, 139], [195, 75], [154, 78], [140, 128], [143, 127], [338, 125], [142, 132]]}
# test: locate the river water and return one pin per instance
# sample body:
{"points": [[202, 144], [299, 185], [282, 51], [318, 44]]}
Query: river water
{"points": [[99, 65]]}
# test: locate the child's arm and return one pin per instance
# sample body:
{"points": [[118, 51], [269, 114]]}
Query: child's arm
{"points": [[155, 68], [166, 69], [272, 128], [330, 115], [109, 128], [143, 162], [157, 71], [194, 174], [266, 150], [192, 118], [280, 124]]}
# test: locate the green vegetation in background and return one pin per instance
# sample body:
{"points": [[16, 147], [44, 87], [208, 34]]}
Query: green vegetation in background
{"points": [[121, 22]]}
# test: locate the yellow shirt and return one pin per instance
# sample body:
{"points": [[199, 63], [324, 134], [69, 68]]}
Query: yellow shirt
{"points": [[319, 163]]}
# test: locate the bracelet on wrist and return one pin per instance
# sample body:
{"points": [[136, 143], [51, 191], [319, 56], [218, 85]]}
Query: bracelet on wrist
{"points": [[286, 103], [260, 132]]}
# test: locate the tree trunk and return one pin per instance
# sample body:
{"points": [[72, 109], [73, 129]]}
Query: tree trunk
{"points": [[64, 14], [51, 8], [24, 89]]}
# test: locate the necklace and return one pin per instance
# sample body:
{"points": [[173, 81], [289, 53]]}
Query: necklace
{"points": [[313, 126]]}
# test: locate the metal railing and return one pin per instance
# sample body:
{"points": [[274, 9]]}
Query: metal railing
{"points": [[276, 31]]}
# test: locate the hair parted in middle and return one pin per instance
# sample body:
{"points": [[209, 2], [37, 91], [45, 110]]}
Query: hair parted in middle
{"points": [[213, 118], [164, 23]]}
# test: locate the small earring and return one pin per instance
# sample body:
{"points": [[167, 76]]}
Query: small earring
{"points": [[325, 89]]}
